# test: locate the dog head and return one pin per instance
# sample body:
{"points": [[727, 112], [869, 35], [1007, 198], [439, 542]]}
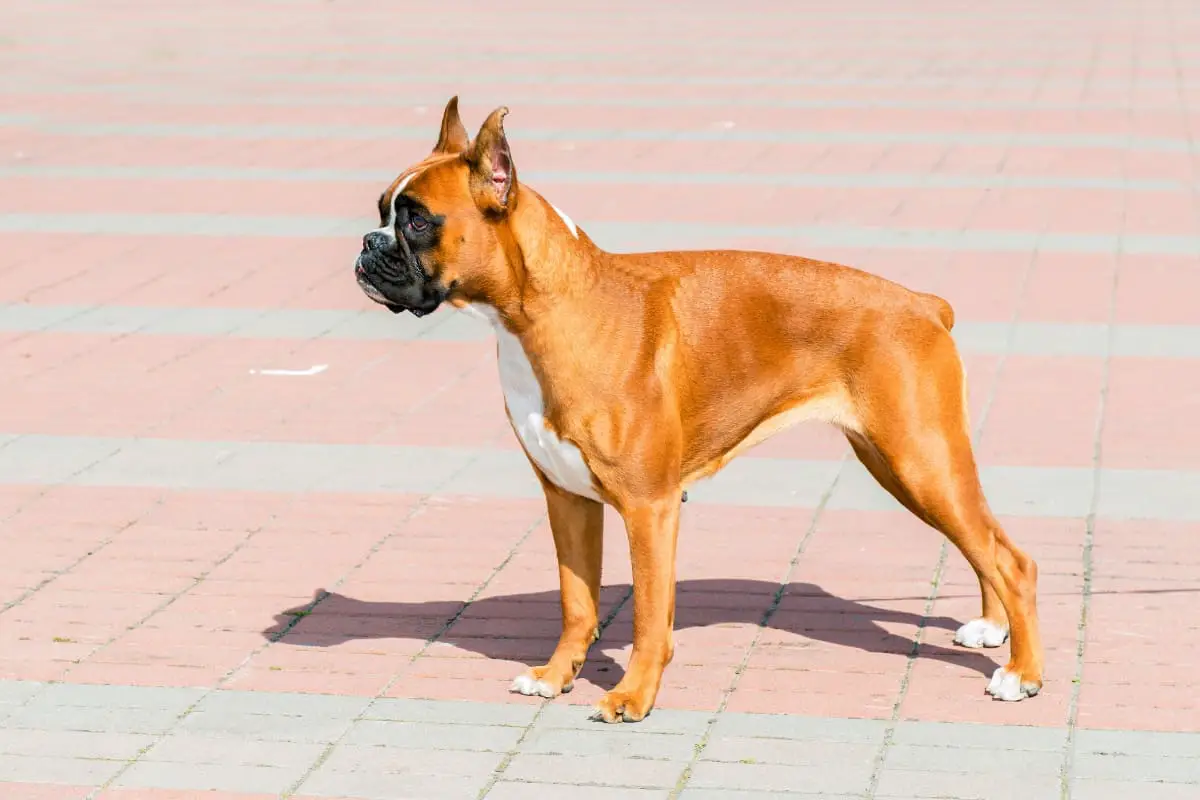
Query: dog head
{"points": [[442, 230]]}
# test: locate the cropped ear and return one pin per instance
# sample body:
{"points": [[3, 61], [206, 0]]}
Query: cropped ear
{"points": [[453, 136], [493, 175]]}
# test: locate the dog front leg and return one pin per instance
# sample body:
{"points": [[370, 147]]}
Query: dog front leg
{"points": [[653, 528], [577, 524]]}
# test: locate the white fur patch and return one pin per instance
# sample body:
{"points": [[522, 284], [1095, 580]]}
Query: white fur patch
{"points": [[526, 684], [981, 633], [561, 461], [389, 230], [569, 222], [1007, 686]]}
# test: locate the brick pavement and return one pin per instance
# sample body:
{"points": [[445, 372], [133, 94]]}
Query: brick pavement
{"points": [[264, 540]]}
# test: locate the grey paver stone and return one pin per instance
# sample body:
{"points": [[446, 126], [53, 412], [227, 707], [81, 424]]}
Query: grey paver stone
{"points": [[768, 482], [102, 696], [572, 741], [495, 474], [963, 734], [363, 468], [1061, 339], [269, 727], [520, 790], [283, 703], [835, 755], [779, 778], [210, 777], [184, 748], [1100, 789], [1156, 341], [971, 759], [81, 718], [386, 786], [1148, 743], [17, 692], [202, 321], [31, 317], [1147, 494], [348, 758], [786, 726], [1116, 766], [691, 793], [598, 770], [966, 786], [450, 711], [665, 720], [72, 744], [45, 769], [1038, 491], [436, 735], [113, 319], [147, 462], [35, 459], [285, 323]]}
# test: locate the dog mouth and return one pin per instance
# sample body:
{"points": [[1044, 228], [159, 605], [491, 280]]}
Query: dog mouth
{"points": [[428, 303], [373, 293]]}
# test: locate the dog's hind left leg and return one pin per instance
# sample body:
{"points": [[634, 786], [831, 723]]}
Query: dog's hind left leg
{"points": [[914, 440]]}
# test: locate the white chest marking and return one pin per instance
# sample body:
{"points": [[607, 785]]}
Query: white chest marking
{"points": [[570, 223], [561, 461]]}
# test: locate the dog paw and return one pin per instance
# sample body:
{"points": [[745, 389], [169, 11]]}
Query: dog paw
{"points": [[1007, 684], [538, 682], [618, 706], [981, 633]]}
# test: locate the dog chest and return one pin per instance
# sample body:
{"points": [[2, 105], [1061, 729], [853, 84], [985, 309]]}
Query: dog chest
{"points": [[561, 461]]}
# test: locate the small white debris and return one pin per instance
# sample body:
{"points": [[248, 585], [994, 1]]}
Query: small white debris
{"points": [[316, 369]]}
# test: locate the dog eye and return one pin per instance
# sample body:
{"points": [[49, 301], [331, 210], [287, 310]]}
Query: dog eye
{"points": [[417, 222]]}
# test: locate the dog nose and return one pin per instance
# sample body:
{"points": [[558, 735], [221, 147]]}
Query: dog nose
{"points": [[374, 241]]}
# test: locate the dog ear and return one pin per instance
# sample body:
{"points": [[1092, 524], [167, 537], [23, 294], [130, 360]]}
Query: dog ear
{"points": [[453, 136], [493, 175]]}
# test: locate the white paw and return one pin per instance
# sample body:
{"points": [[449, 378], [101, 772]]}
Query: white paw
{"points": [[528, 685], [1006, 685], [981, 633]]}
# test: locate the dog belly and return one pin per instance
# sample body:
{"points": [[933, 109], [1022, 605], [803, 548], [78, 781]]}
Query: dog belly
{"points": [[832, 407]]}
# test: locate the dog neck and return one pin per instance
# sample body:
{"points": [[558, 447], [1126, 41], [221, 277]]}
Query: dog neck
{"points": [[547, 258]]}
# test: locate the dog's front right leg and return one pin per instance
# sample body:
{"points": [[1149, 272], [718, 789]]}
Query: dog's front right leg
{"points": [[653, 528], [577, 524]]}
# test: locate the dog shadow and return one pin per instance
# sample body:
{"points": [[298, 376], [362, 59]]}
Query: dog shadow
{"points": [[523, 627]]}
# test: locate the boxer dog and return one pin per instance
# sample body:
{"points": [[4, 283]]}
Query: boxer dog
{"points": [[628, 377]]}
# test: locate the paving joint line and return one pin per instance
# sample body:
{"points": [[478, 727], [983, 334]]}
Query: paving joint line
{"points": [[170, 601], [508, 757], [294, 787], [92, 308], [49, 487], [502, 767], [220, 683], [1087, 563], [699, 747]]}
